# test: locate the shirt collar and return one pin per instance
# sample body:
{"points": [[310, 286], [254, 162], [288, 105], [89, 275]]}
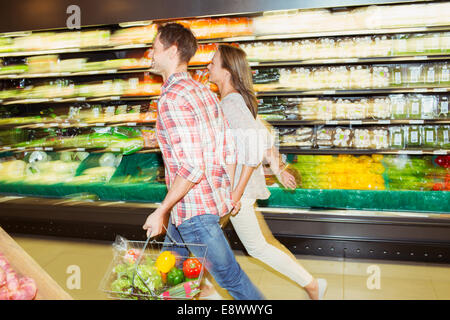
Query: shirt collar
{"points": [[173, 78]]}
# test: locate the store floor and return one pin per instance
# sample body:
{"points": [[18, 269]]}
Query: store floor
{"points": [[78, 266]]}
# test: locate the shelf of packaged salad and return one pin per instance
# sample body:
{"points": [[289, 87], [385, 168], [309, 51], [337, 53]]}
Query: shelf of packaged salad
{"points": [[332, 61], [87, 149], [342, 92], [73, 74], [324, 34], [290, 150], [75, 50], [354, 122], [232, 39], [79, 99], [287, 93]]}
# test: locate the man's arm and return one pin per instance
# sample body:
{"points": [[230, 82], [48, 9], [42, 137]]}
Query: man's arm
{"points": [[185, 140]]}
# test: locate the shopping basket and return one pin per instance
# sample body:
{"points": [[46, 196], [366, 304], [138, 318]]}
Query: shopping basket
{"points": [[132, 274]]}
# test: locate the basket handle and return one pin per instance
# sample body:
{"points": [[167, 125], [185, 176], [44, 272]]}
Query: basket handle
{"points": [[142, 254]]}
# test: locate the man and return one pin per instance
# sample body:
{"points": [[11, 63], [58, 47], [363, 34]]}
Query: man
{"points": [[199, 158]]}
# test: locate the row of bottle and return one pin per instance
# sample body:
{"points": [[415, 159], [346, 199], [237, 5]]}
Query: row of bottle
{"points": [[349, 47], [373, 138], [396, 106], [352, 77]]}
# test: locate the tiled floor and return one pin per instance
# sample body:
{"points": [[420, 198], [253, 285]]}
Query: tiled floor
{"points": [[347, 278]]}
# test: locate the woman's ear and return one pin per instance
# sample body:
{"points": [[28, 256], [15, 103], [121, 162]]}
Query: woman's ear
{"points": [[227, 74]]}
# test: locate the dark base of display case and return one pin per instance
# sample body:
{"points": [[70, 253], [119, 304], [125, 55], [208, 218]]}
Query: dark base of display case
{"points": [[353, 249], [316, 233]]}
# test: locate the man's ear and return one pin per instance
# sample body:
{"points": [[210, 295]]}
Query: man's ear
{"points": [[173, 52]]}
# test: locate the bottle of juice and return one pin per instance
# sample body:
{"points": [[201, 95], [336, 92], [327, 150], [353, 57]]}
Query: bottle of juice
{"points": [[399, 110], [414, 139], [396, 76], [431, 74], [444, 73], [414, 107], [397, 138], [429, 107], [443, 140], [415, 75], [430, 138], [442, 111]]}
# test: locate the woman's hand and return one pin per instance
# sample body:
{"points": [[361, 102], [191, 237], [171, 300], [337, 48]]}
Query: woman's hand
{"points": [[236, 202], [287, 180]]}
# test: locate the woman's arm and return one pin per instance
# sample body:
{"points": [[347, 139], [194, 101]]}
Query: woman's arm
{"points": [[237, 193], [279, 168]]}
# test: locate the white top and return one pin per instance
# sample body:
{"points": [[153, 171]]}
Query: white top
{"points": [[252, 140]]}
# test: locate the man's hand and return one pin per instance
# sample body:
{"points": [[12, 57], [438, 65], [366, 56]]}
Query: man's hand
{"points": [[287, 180], [156, 222]]}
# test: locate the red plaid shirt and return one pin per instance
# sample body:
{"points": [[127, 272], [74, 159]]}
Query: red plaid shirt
{"points": [[196, 144]]}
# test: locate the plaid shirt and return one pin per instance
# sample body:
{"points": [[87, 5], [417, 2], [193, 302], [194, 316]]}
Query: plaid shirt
{"points": [[196, 144]]}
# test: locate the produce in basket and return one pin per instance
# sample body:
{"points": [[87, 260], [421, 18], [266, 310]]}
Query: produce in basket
{"points": [[192, 268], [183, 290], [175, 276], [165, 261], [150, 279]]}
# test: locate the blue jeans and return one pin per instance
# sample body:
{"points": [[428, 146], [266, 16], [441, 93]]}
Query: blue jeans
{"points": [[220, 260]]}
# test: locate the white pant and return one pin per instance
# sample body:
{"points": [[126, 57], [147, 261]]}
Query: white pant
{"points": [[249, 230]]}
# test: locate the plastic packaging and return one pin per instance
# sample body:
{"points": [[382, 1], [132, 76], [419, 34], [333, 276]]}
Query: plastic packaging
{"points": [[431, 74], [442, 110], [415, 75], [399, 107], [429, 107], [380, 108], [443, 137], [444, 73], [397, 76], [430, 138], [414, 105], [324, 137], [397, 137], [343, 138], [414, 137]]}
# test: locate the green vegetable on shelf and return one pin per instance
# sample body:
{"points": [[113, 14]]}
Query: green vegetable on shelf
{"points": [[13, 69]]}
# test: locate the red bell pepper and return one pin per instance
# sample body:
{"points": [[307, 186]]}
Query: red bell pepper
{"points": [[192, 268]]}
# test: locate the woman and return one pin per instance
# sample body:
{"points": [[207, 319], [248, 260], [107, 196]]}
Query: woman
{"points": [[230, 71]]}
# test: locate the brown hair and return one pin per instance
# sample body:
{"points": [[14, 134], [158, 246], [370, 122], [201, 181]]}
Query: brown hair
{"points": [[175, 34], [234, 60]]}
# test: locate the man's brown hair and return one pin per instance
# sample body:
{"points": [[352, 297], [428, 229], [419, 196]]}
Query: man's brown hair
{"points": [[175, 34]]}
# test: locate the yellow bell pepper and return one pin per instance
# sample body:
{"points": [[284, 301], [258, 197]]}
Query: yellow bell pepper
{"points": [[165, 261]]}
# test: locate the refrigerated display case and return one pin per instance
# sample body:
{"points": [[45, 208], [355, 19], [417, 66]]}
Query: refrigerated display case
{"points": [[357, 95]]}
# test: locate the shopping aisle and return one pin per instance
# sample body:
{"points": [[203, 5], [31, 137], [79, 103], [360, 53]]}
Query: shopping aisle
{"points": [[78, 266]]}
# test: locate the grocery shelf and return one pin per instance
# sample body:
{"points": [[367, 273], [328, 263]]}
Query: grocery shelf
{"points": [[73, 149], [325, 61], [79, 99], [73, 50], [248, 38], [328, 92], [77, 124], [73, 74], [355, 122], [293, 150], [302, 35]]}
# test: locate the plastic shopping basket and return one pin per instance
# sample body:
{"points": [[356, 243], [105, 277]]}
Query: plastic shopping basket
{"points": [[132, 274]]}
